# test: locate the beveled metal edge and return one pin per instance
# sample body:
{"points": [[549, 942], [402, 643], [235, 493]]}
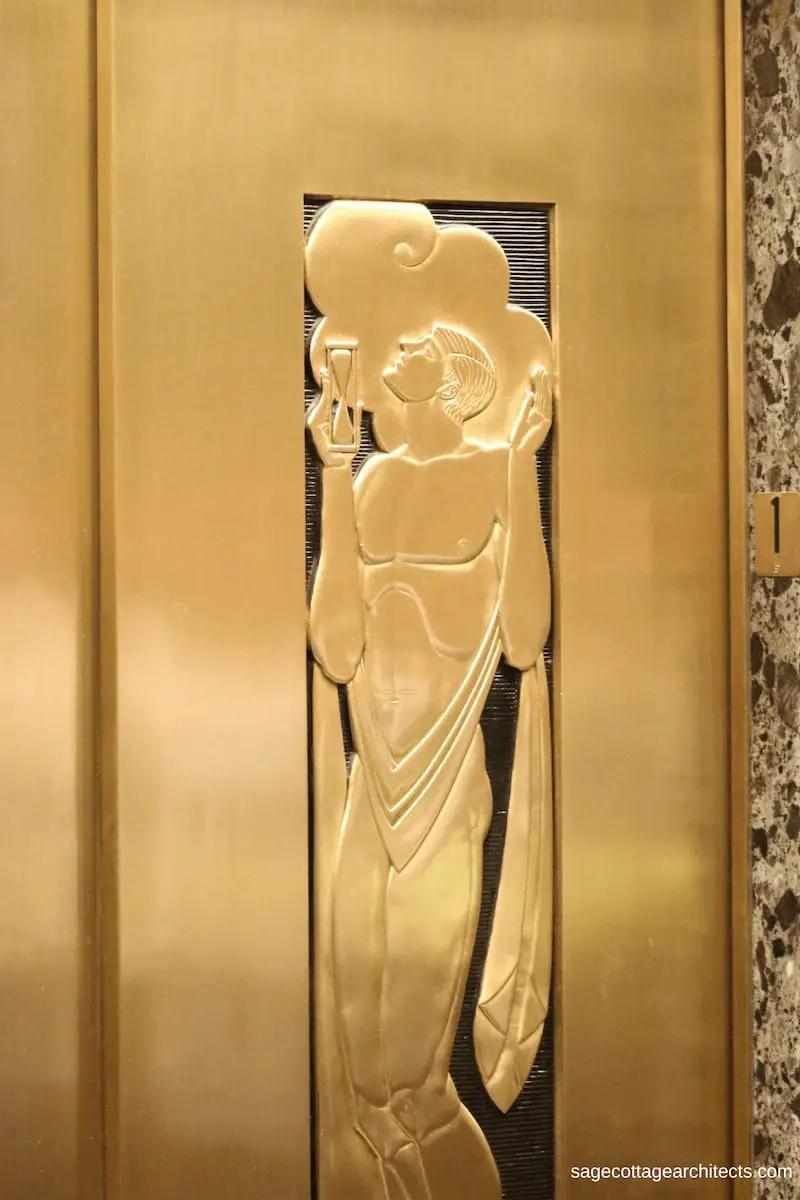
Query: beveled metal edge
{"points": [[107, 849], [90, 884], [738, 559], [560, 1164]]}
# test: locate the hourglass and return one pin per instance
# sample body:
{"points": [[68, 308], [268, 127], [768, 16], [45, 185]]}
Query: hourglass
{"points": [[341, 394]]}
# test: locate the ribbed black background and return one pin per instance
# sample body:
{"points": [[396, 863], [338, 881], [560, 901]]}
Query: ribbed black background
{"points": [[523, 1139]]}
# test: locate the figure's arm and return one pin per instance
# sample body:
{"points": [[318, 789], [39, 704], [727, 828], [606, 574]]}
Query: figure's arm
{"points": [[525, 582], [336, 609]]}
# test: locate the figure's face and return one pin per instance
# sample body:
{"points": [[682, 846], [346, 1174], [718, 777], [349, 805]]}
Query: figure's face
{"points": [[418, 371]]}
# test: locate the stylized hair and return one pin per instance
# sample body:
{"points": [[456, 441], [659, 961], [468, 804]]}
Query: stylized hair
{"points": [[469, 375]]}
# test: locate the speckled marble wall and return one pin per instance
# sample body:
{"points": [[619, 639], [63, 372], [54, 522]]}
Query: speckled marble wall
{"points": [[772, 99]]}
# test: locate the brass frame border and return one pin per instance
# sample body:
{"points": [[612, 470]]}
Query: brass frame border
{"points": [[92, 1057], [738, 558], [560, 1165], [91, 1045], [106, 733]]}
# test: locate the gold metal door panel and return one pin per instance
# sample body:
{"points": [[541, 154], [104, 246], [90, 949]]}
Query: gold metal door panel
{"points": [[157, 633], [224, 117], [49, 1057]]}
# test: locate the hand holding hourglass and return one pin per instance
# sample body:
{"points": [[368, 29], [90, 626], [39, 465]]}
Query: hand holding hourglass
{"points": [[335, 419]]}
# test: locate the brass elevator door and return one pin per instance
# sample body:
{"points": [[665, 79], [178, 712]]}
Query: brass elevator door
{"points": [[160, 865]]}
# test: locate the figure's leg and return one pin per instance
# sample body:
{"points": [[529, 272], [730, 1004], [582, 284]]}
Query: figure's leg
{"points": [[431, 919], [359, 937], [359, 952]]}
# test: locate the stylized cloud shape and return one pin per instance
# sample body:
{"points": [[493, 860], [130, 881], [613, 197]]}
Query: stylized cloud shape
{"points": [[380, 272]]}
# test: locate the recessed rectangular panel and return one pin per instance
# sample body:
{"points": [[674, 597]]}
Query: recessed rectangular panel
{"points": [[479, 1145], [226, 116]]}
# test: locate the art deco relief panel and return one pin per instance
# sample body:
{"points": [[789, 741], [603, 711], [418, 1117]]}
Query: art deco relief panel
{"points": [[398, 537], [431, 569]]}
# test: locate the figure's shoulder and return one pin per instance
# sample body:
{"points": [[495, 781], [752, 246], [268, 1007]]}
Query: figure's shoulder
{"points": [[379, 470], [490, 457], [489, 452], [490, 473]]}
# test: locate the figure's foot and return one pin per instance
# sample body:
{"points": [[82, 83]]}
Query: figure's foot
{"points": [[401, 1166], [455, 1157], [406, 1172]]}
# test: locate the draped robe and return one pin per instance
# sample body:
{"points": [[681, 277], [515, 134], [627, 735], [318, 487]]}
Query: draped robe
{"points": [[407, 797]]}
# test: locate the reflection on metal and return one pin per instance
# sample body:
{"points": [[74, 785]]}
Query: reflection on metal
{"points": [[432, 566]]}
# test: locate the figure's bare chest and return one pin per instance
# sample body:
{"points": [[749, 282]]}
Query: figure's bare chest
{"points": [[440, 511]]}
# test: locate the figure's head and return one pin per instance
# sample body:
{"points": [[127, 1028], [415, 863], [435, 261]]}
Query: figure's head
{"points": [[444, 363]]}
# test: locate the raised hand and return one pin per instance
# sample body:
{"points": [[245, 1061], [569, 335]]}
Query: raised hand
{"points": [[319, 421], [536, 415]]}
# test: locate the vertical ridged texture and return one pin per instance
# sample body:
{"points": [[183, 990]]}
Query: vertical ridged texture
{"points": [[522, 1140]]}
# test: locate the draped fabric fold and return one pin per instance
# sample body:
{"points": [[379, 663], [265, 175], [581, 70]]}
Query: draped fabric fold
{"points": [[515, 987], [408, 795]]}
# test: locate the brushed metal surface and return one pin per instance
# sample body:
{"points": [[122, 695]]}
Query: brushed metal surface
{"points": [[225, 115], [49, 1053]]}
